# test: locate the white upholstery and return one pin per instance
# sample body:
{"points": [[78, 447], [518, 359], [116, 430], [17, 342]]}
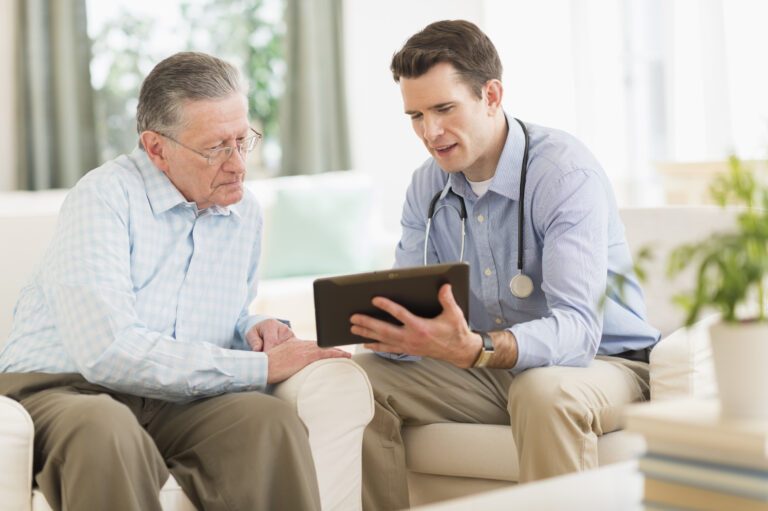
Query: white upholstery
{"points": [[445, 460], [332, 397]]}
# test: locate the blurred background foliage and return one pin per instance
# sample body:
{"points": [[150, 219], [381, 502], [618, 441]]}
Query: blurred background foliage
{"points": [[126, 44]]}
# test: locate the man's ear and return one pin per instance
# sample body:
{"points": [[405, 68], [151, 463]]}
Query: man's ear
{"points": [[156, 148], [494, 91]]}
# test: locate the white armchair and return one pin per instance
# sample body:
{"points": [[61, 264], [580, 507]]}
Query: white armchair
{"points": [[332, 397], [452, 460]]}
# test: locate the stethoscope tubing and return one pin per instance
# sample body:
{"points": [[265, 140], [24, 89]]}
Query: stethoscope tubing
{"points": [[462, 212]]}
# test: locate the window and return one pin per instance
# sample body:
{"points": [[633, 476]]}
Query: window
{"points": [[130, 37]]}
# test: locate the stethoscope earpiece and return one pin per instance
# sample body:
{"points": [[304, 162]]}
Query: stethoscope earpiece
{"points": [[521, 285]]}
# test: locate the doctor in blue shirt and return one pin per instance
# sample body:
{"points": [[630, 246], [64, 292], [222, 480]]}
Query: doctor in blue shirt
{"points": [[532, 212]]}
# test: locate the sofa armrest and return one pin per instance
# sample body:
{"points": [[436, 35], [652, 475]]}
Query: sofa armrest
{"points": [[681, 363], [334, 400], [16, 442]]}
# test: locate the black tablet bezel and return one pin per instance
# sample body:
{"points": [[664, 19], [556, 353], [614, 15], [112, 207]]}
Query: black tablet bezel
{"points": [[415, 288]]}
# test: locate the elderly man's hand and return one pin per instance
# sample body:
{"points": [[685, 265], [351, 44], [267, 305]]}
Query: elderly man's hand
{"points": [[267, 334], [292, 356]]}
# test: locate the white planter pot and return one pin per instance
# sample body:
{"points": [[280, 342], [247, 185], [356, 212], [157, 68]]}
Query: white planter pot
{"points": [[740, 355]]}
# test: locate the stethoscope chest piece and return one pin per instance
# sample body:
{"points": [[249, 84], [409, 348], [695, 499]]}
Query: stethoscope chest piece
{"points": [[521, 285]]}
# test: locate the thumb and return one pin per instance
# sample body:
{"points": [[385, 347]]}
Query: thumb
{"points": [[254, 339], [448, 302]]}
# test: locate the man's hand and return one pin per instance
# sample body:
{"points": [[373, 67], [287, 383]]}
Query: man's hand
{"points": [[445, 337], [289, 357], [267, 334]]}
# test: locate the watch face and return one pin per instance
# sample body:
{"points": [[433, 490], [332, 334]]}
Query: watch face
{"points": [[487, 341]]}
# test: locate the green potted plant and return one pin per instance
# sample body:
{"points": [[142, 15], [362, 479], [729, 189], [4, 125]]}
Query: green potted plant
{"points": [[730, 276]]}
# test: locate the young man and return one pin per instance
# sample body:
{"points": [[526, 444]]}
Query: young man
{"points": [[537, 351], [132, 347]]}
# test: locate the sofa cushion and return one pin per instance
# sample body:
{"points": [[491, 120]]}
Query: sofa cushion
{"points": [[426, 452], [316, 225], [681, 364]]}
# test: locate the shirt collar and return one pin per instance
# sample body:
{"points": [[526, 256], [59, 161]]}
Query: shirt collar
{"points": [[161, 192], [506, 179]]}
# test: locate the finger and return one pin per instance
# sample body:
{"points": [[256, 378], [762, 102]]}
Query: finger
{"points": [[396, 310], [254, 339], [388, 334], [448, 302], [321, 354], [334, 353], [380, 329], [366, 333], [284, 332]]}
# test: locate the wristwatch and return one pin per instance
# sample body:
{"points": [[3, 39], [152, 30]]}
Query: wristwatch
{"points": [[486, 352]]}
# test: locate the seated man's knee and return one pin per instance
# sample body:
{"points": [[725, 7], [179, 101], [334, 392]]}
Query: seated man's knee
{"points": [[544, 393], [97, 426], [259, 413]]}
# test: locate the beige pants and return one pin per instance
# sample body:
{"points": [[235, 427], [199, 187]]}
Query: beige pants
{"points": [[99, 449], [556, 414]]}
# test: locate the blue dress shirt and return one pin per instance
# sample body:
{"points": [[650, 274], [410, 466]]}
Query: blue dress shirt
{"points": [[573, 241], [141, 292]]}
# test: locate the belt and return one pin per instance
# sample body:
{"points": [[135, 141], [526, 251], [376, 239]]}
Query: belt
{"points": [[641, 355]]}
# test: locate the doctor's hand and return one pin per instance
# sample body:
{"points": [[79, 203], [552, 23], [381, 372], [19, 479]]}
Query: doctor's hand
{"points": [[445, 337], [265, 335]]}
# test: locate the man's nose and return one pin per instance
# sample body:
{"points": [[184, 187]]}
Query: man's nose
{"points": [[433, 128], [235, 162]]}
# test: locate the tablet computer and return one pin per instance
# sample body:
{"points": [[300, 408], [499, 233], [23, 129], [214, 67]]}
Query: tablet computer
{"points": [[337, 298]]}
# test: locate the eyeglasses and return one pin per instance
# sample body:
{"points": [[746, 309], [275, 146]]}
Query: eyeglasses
{"points": [[222, 154]]}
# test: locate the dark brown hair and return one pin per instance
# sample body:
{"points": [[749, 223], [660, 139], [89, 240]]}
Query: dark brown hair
{"points": [[458, 42]]}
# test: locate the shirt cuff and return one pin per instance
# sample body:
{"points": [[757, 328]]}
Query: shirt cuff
{"points": [[248, 370]]}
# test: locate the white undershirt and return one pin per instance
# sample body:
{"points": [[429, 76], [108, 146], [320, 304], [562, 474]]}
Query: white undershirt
{"points": [[480, 187]]}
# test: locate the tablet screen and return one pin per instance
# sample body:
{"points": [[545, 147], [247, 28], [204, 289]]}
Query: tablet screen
{"points": [[337, 298]]}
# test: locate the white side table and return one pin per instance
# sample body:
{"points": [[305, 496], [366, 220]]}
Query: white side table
{"points": [[617, 487]]}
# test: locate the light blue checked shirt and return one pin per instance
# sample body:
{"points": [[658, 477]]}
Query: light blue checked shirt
{"points": [[140, 292], [573, 240]]}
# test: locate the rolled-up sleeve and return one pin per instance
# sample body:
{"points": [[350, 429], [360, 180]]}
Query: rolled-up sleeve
{"points": [[572, 219]]}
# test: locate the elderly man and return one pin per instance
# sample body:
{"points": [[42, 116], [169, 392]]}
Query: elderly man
{"points": [[132, 347]]}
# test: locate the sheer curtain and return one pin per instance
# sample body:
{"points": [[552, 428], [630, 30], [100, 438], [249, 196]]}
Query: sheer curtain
{"points": [[314, 125], [639, 81], [56, 115]]}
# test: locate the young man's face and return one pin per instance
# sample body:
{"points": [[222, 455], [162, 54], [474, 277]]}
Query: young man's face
{"points": [[209, 125], [455, 125]]}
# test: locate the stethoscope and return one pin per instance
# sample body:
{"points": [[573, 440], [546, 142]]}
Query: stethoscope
{"points": [[521, 284]]}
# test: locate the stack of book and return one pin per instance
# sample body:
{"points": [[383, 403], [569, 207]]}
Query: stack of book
{"points": [[697, 460]]}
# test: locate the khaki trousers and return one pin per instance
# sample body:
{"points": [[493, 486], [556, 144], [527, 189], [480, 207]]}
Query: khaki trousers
{"points": [[98, 449], [556, 414]]}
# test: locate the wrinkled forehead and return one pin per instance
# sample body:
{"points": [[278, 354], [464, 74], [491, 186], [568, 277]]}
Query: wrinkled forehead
{"points": [[440, 85]]}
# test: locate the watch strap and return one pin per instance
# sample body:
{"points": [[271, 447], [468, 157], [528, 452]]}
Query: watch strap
{"points": [[486, 352]]}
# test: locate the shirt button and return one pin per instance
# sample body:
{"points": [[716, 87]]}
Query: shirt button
{"points": [[480, 218], [488, 272], [498, 321]]}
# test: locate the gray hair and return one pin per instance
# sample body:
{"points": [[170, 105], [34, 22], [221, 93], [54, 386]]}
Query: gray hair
{"points": [[185, 76]]}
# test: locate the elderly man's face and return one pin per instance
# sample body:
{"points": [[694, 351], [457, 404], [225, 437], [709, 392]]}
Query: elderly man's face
{"points": [[209, 125]]}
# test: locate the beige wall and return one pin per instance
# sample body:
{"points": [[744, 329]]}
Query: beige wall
{"points": [[7, 98]]}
